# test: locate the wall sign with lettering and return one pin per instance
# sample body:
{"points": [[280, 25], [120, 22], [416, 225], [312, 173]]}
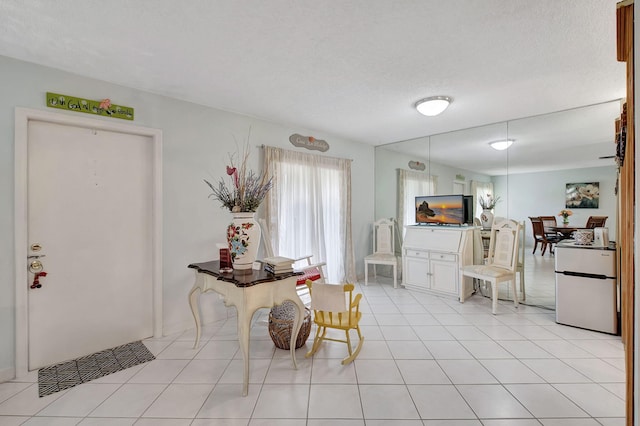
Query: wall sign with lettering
{"points": [[416, 165], [103, 107], [308, 142]]}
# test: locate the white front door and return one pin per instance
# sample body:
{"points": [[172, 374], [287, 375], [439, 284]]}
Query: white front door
{"points": [[90, 207]]}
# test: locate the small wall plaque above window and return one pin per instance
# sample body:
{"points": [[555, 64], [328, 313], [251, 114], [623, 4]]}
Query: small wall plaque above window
{"points": [[308, 142], [416, 165], [102, 107]]}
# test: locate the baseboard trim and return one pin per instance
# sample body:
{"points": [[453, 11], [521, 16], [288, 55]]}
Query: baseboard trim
{"points": [[7, 374]]}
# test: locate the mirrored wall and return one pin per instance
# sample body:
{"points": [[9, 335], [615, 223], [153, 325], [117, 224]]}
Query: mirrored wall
{"points": [[548, 152]]}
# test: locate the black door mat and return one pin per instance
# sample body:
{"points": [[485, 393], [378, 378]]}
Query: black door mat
{"points": [[71, 373]]}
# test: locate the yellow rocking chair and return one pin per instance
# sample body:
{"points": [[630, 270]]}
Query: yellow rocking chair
{"points": [[334, 306]]}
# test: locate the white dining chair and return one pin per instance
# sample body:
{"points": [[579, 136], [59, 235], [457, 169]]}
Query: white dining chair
{"points": [[502, 260], [383, 250]]}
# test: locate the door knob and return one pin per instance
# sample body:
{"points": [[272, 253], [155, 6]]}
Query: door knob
{"points": [[35, 266]]}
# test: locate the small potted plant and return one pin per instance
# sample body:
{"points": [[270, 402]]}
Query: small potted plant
{"points": [[564, 213]]}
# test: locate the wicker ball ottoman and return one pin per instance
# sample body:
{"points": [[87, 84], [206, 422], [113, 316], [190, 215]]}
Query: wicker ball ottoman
{"points": [[281, 322]]}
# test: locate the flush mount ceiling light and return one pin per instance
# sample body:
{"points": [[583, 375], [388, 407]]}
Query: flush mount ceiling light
{"points": [[433, 105], [501, 145]]}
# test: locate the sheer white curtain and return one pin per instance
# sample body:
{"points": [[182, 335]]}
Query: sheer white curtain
{"points": [[308, 209], [410, 185], [480, 189]]}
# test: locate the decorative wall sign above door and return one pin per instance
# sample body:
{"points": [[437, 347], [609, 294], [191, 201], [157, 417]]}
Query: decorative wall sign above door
{"points": [[103, 107], [308, 142]]}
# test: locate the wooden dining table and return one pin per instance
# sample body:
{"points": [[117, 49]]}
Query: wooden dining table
{"points": [[565, 230]]}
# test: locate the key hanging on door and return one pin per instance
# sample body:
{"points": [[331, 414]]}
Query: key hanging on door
{"points": [[36, 279]]}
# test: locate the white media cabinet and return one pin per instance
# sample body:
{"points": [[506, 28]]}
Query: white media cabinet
{"points": [[432, 256]]}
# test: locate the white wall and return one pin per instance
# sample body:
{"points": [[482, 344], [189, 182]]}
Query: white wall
{"points": [[543, 194], [196, 143]]}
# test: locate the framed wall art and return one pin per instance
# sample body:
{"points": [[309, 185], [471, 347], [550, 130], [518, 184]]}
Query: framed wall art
{"points": [[584, 195]]}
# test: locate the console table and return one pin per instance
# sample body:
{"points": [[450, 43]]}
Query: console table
{"points": [[248, 291]]}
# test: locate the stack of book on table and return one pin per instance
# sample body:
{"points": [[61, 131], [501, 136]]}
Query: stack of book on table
{"points": [[278, 264]]}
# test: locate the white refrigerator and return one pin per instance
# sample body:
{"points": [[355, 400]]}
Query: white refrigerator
{"points": [[586, 286]]}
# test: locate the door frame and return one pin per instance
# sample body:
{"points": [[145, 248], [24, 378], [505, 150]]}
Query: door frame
{"points": [[22, 118]]}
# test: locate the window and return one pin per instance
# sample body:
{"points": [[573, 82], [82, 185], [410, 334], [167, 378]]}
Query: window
{"points": [[480, 190], [308, 210], [411, 185]]}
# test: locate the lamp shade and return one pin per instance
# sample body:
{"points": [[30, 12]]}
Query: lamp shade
{"points": [[501, 145], [433, 106]]}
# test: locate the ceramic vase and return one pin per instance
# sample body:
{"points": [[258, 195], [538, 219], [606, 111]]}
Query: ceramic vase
{"points": [[486, 218], [243, 237]]}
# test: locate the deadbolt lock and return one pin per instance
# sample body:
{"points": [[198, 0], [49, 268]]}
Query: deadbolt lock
{"points": [[36, 247]]}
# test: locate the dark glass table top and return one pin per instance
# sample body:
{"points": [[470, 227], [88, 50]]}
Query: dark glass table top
{"points": [[240, 278]]}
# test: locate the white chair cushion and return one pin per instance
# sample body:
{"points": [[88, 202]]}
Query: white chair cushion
{"points": [[382, 257], [488, 271]]}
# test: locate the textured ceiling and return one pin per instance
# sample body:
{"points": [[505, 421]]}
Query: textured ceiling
{"points": [[351, 68]]}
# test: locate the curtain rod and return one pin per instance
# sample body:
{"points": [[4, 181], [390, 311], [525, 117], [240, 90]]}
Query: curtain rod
{"points": [[324, 156]]}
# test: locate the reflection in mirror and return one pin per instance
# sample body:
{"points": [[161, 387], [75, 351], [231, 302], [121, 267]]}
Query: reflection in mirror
{"points": [[469, 149], [574, 138], [388, 161], [439, 154], [470, 154], [549, 151]]}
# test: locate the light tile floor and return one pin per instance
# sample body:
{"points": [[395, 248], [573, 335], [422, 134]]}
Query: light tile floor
{"points": [[540, 278], [426, 360]]}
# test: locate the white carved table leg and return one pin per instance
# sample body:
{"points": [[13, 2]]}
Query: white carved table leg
{"points": [[244, 331], [297, 325], [194, 294]]}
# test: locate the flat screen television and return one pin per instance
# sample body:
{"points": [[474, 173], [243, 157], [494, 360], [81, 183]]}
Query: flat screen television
{"points": [[468, 209], [444, 209]]}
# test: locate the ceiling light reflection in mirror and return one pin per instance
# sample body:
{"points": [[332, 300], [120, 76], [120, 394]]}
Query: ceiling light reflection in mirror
{"points": [[469, 149], [501, 145], [571, 139]]}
